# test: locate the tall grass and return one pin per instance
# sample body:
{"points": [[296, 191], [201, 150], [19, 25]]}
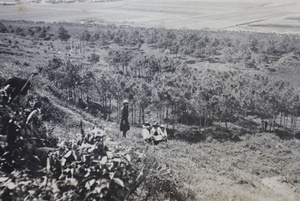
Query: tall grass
{"points": [[226, 170]]}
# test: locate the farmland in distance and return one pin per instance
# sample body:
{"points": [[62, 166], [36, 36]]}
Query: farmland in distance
{"points": [[262, 16]]}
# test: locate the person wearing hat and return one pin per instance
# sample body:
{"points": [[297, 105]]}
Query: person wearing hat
{"points": [[146, 132], [124, 125], [156, 133], [163, 132]]}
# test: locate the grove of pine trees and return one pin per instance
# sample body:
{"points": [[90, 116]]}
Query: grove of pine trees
{"points": [[150, 67]]}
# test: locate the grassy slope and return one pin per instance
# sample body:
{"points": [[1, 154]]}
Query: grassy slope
{"points": [[260, 167]]}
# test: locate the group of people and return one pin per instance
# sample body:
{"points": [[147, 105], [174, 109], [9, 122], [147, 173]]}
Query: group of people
{"points": [[152, 134]]}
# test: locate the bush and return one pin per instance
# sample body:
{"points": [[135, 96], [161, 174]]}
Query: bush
{"points": [[3, 29], [20, 31], [63, 34], [21, 123], [79, 172], [284, 134], [83, 169], [297, 135]]}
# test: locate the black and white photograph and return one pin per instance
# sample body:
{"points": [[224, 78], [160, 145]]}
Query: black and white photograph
{"points": [[149, 100]]}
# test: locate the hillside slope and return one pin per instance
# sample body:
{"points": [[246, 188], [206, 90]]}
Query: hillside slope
{"points": [[260, 167]]}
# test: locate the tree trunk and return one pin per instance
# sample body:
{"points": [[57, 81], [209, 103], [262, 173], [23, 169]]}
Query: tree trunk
{"points": [[132, 108], [262, 124], [110, 109], [160, 112], [296, 122], [273, 123], [75, 95], [140, 114], [143, 115], [293, 123], [173, 119], [134, 114], [139, 71], [269, 124], [167, 116], [118, 111]]}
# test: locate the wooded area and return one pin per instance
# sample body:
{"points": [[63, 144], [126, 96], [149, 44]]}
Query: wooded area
{"points": [[163, 72]]}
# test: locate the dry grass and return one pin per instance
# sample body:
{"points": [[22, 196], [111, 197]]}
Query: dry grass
{"points": [[259, 167], [231, 171]]}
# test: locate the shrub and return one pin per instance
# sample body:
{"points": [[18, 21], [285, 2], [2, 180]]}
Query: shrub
{"points": [[84, 169], [284, 134], [3, 29], [63, 34], [20, 31]]}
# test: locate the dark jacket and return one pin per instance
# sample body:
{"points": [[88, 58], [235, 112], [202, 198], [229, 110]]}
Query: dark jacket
{"points": [[124, 124]]}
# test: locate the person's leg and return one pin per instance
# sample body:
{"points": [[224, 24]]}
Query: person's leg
{"points": [[124, 133]]}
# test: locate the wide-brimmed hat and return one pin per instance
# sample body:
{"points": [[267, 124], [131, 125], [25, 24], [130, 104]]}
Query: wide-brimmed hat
{"points": [[125, 101], [155, 124], [162, 126], [147, 124]]}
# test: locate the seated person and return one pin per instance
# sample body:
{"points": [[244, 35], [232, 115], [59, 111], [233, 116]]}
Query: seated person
{"points": [[146, 132], [156, 133], [163, 132]]}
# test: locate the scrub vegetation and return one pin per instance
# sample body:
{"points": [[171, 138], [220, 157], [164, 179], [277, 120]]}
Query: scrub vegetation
{"points": [[228, 99]]}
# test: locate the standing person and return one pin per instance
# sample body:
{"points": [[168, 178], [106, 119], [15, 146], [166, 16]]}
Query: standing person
{"points": [[124, 125]]}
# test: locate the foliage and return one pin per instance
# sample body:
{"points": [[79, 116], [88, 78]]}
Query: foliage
{"points": [[24, 131], [94, 58], [153, 68], [86, 171], [33, 166], [85, 36], [63, 33], [2, 28]]}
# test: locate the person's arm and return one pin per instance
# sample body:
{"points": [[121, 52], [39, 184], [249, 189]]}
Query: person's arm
{"points": [[152, 131], [165, 134], [159, 131]]}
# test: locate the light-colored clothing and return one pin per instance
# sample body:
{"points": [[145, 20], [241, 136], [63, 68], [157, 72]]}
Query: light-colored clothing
{"points": [[146, 133], [163, 133], [156, 133]]}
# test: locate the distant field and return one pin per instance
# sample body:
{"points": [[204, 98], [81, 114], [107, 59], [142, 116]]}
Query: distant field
{"points": [[281, 16]]}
